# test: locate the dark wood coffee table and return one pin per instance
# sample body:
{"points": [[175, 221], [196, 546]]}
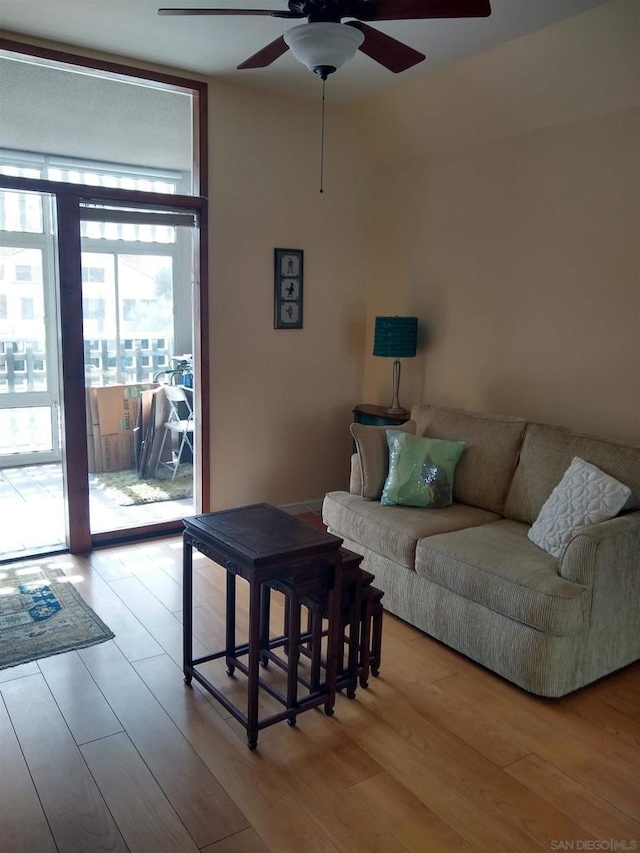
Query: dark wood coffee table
{"points": [[264, 545]]}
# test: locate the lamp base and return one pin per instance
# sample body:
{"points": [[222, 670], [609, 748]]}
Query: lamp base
{"points": [[395, 408]]}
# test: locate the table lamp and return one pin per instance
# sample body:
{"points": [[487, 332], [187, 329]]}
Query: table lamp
{"points": [[395, 337]]}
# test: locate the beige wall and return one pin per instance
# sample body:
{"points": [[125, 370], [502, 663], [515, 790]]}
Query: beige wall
{"points": [[520, 254], [522, 259], [282, 399], [580, 68]]}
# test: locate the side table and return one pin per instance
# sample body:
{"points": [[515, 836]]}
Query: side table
{"points": [[361, 613], [265, 546], [366, 413], [370, 415]]}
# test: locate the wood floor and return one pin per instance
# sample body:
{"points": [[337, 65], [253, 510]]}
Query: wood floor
{"points": [[37, 491], [106, 749]]}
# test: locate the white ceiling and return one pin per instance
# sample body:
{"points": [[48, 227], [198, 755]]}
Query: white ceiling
{"points": [[214, 46]]}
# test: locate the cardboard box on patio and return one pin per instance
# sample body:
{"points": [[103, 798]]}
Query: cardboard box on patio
{"points": [[92, 406], [91, 450], [116, 451], [117, 407], [113, 411], [91, 454]]}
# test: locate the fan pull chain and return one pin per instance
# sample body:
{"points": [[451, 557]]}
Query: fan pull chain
{"points": [[322, 143]]}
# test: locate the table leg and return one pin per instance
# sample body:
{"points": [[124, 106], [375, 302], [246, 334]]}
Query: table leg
{"points": [[377, 639], [314, 626], [231, 622], [365, 640], [353, 649], [253, 674], [294, 656], [265, 616], [187, 608], [285, 625], [334, 638]]}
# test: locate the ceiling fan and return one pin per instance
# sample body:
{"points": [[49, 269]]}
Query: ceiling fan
{"points": [[325, 43]]}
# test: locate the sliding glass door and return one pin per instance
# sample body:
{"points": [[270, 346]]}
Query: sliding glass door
{"points": [[31, 482], [109, 299], [137, 307]]}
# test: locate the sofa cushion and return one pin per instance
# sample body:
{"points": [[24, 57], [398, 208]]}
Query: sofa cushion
{"points": [[497, 566], [492, 444], [585, 495], [373, 454], [546, 454], [393, 531]]}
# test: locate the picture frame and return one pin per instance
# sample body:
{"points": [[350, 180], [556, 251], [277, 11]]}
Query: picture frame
{"points": [[288, 288]]}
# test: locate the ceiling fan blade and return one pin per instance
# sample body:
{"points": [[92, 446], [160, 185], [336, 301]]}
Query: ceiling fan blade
{"points": [[273, 13], [398, 10], [267, 55], [389, 52]]}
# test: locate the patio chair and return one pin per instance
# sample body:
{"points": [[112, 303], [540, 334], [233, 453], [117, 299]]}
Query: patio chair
{"points": [[180, 401]]}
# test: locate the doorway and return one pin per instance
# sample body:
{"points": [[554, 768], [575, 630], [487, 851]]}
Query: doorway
{"points": [[138, 282], [64, 332], [134, 288]]}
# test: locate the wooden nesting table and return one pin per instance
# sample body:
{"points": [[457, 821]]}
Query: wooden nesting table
{"points": [[270, 549]]}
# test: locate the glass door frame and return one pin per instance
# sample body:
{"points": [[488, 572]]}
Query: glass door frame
{"points": [[69, 201], [68, 198], [174, 249]]}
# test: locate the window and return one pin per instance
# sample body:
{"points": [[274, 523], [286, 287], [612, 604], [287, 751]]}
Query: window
{"points": [[128, 288], [26, 309], [137, 309], [3, 307], [24, 273], [20, 211], [94, 309], [93, 274]]}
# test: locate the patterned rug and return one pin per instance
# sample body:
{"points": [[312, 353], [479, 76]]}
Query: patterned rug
{"points": [[42, 614], [126, 489]]}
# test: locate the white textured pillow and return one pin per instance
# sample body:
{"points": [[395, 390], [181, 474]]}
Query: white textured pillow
{"points": [[585, 495]]}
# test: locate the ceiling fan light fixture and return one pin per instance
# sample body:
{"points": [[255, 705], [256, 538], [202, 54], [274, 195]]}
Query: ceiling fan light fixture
{"points": [[323, 46]]}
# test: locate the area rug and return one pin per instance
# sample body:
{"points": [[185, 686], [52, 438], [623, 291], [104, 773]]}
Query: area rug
{"points": [[126, 489], [42, 614]]}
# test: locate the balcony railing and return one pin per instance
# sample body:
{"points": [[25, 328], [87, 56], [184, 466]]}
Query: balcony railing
{"points": [[139, 359], [23, 363], [23, 366]]}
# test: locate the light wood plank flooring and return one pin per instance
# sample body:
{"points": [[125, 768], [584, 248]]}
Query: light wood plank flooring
{"points": [[107, 750]]}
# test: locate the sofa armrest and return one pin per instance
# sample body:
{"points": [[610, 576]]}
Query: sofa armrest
{"points": [[605, 553], [355, 480], [606, 558]]}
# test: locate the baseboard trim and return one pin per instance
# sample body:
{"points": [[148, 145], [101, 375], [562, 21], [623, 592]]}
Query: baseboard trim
{"points": [[303, 506]]}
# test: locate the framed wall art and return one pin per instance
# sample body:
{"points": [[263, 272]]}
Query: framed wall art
{"points": [[288, 265]]}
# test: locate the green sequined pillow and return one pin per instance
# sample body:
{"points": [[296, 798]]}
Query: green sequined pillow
{"points": [[420, 470]]}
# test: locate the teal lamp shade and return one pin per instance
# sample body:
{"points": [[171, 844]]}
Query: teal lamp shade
{"points": [[396, 337]]}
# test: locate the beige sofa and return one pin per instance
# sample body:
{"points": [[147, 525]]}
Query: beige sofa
{"points": [[469, 576]]}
